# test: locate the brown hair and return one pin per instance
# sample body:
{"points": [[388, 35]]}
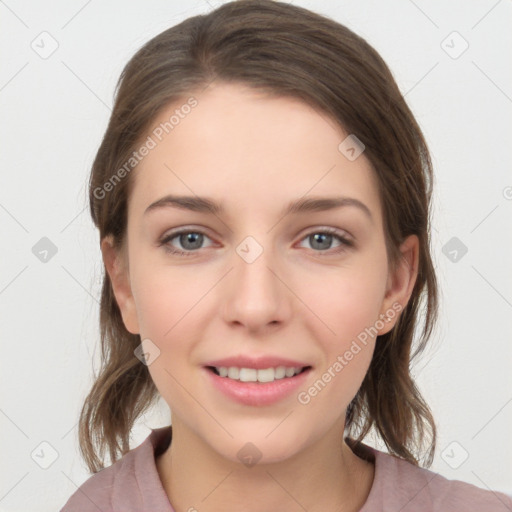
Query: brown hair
{"points": [[284, 50]]}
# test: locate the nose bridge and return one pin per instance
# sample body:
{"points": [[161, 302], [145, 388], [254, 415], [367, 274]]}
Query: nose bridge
{"points": [[256, 296]]}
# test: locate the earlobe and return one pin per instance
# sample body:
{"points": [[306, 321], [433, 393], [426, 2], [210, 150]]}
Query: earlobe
{"points": [[400, 283], [119, 277]]}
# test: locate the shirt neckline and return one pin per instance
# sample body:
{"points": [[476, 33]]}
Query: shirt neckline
{"points": [[160, 439]]}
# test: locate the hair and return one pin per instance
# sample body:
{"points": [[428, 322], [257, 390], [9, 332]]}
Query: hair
{"points": [[286, 51]]}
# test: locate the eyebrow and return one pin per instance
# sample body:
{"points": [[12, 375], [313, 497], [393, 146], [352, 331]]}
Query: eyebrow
{"points": [[303, 205]]}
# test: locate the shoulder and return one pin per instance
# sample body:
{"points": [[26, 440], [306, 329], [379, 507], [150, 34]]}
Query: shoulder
{"points": [[100, 491], [421, 488], [130, 484], [400, 485]]}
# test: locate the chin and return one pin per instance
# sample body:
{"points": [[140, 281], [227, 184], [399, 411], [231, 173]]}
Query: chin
{"points": [[255, 446]]}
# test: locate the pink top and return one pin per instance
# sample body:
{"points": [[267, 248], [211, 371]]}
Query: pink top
{"points": [[132, 484]]}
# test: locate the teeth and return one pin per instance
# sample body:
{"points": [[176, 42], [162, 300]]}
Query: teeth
{"points": [[290, 372], [248, 375], [233, 373], [279, 372], [267, 375], [253, 375]]}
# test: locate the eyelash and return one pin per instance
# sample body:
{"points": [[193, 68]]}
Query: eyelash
{"points": [[345, 243]]}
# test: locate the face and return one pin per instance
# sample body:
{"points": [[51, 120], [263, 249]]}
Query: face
{"points": [[252, 279]]}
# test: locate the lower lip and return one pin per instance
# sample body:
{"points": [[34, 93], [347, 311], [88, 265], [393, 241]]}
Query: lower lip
{"points": [[257, 393]]}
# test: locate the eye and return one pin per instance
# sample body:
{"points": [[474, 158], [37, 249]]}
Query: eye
{"points": [[190, 240], [322, 240]]}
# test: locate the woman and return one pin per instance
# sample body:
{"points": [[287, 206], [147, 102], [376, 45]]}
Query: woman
{"points": [[262, 195]]}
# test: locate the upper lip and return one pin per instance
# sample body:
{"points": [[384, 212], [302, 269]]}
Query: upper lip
{"points": [[258, 363]]}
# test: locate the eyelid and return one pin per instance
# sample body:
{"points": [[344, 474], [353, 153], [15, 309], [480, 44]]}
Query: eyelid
{"points": [[186, 229], [342, 233]]}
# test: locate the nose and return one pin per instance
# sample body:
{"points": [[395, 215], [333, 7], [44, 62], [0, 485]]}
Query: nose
{"points": [[256, 295]]}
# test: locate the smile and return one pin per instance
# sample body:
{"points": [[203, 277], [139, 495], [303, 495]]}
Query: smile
{"points": [[257, 375]]}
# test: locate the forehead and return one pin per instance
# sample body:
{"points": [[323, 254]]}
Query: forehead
{"points": [[247, 150]]}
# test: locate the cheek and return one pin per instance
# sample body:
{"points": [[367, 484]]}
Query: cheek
{"points": [[345, 301], [346, 346], [174, 305], [348, 305], [166, 298], [169, 307]]}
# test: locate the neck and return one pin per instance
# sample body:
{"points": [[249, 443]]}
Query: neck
{"points": [[319, 478]]}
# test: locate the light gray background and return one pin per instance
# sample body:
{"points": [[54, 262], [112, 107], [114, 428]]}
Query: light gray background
{"points": [[55, 110]]}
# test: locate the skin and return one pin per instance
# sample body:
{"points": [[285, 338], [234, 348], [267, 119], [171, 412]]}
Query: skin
{"points": [[255, 154]]}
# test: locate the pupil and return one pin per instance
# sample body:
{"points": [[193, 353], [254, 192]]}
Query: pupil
{"points": [[319, 237], [195, 239]]}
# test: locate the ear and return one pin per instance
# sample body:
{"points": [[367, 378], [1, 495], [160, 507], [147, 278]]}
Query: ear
{"points": [[117, 268], [400, 284]]}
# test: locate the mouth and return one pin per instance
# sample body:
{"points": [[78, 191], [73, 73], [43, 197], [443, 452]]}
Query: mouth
{"points": [[261, 375], [257, 387]]}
